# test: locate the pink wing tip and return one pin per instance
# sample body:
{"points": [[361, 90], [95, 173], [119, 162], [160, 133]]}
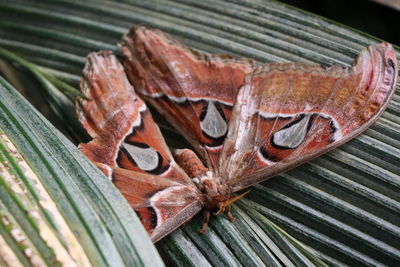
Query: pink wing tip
{"points": [[382, 59], [385, 52], [390, 62]]}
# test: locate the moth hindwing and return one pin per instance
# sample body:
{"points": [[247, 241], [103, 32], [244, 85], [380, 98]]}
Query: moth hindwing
{"points": [[247, 121]]}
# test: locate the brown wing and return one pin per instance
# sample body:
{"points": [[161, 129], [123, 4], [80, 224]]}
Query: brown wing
{"points": [[195, 91], [123, 131], [161, 204], [289, 113], [128, 147]]}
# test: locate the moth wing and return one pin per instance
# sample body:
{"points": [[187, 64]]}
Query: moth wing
{"points": [[128, 147], [123, 131], [289, 113], [193, 90], [161, 204]]}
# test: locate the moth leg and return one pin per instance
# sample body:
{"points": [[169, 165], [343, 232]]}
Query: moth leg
{"points": [[229, 214], [206, 218]]}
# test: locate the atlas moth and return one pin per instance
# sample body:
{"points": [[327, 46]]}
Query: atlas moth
{"points": [[246, 121]]}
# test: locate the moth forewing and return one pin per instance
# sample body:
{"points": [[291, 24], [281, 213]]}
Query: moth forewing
{"points": [[249, 121]]}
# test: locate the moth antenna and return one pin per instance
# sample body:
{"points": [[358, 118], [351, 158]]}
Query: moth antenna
{"points": [[228, 202]]}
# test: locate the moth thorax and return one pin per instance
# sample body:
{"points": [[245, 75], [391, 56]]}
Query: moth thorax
{"points": [[190, 163], [215, 194]]}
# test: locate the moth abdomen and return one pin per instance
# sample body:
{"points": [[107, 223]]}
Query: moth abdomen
{"points": [[190, 163]]}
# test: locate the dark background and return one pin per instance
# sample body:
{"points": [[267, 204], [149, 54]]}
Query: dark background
{"points": [[367, 16]]}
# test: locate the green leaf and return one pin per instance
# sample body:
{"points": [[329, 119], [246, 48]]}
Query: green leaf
{"points": [[59, 95], [341, 208], [98, 216]]}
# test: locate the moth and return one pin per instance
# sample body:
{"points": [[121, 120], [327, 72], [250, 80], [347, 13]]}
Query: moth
{"points": [[246, 121]]}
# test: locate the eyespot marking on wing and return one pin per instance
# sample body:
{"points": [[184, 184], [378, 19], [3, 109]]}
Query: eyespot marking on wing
{"points": [[293, 134], [143, 156], [266, 157], [306, 131], [149, 217], [153, 218], [390, 78], [212, 121]]}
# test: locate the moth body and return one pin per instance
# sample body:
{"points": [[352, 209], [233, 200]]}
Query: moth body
{"points": [[213, 193], [247, 121]]}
